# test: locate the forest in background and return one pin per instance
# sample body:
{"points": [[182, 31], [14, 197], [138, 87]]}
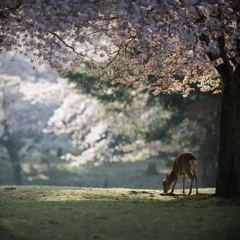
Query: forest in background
{"points": [[58, 134]]}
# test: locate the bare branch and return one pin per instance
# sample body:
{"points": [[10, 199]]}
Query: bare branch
{"points": [[67, 45]]}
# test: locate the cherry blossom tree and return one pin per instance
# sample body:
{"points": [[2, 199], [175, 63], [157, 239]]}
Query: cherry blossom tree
{"points": [[128, 41], [40, 111], [84, 120], [25, 107]]}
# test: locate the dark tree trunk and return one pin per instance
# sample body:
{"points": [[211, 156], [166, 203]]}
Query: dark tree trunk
{"points": [[17, 170], [12, 152], [151, 169], [208, 159], [229, 147], [59, 152]]}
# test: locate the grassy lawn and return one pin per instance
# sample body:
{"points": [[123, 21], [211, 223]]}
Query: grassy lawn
{"points": [[38, 212]]}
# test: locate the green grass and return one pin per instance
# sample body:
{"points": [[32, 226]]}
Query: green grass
{"points": [[38, 212]]}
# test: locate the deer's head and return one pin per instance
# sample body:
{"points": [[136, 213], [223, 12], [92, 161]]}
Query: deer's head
{"points": [[166, 184]]}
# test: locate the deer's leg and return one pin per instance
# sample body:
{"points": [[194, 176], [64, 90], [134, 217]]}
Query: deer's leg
{"points": [[176, 178], [184, 178], [195, 177], [188, 171]]}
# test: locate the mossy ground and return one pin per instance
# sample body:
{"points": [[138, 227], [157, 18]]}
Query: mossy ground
{"points": [[38, 212]]}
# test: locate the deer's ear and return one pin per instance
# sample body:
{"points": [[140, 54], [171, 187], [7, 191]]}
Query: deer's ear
{"points": [[167, 177]]}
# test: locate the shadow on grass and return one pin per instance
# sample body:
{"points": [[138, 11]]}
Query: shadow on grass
{"points": [[86, 213], [173, 194]]}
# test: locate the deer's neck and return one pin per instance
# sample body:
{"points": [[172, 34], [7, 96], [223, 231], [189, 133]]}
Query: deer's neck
{"points": [[172, 176]]}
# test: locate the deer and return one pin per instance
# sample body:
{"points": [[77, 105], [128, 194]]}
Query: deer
{"points": [[183, 165]]}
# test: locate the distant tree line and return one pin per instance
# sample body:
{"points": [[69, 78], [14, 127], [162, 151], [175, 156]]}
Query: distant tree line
{"points": [[194, 119]]}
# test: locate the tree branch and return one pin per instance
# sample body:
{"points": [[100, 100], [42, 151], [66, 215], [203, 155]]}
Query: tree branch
{"points": [[118, 52], [68, 46]]}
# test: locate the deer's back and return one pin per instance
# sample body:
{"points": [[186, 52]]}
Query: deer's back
{"points": [[184, 161]]}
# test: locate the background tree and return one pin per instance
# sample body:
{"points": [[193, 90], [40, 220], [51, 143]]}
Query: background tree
{"points": [[190, 122], [7, 137], [27, 102], [197, 118]]}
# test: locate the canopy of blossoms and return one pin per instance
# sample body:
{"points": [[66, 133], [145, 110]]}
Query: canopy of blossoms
{"points": [[128, 41]]}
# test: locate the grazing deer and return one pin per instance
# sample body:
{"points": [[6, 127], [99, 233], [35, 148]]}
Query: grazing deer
{"points": [[184, 164]]}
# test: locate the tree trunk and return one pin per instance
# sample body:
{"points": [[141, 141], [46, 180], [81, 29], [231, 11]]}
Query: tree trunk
{"points": [[12, 152], [151, 169], [17, 170], [59, 152], [229, 147], [208, 159]]}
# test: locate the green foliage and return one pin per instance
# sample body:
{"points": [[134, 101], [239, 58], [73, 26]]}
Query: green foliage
{"points": [[108, 93], [168, 160], [185, 124], [191, 116]]}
